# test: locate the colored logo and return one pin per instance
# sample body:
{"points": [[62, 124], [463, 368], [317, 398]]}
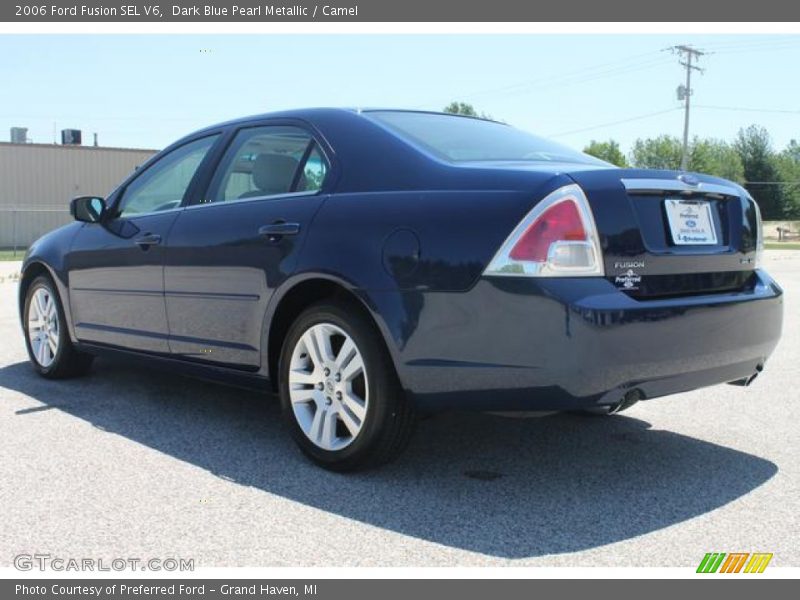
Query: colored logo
{"points": [[628, 280], [734, 562], [691, 223]]}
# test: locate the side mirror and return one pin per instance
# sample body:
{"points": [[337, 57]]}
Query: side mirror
{"points": [[89, 209]]}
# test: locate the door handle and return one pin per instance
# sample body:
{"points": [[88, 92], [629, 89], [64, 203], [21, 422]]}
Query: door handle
{"points": [[277, 230], [147, 240]]}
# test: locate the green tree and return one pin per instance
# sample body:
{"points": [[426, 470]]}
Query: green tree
{"points": [[760, 170], [787, 163], [793, 150], [608, 151], [717, 158], [461, 108], [710, 156], [466, 109], [663, 152]]}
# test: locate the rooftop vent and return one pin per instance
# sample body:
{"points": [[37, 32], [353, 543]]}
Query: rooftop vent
{"points": [[71, 137], [19, 135]]}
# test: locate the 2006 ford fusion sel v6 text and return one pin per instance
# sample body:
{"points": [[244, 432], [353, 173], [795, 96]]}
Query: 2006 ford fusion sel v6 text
{"points": [[369, 265]]}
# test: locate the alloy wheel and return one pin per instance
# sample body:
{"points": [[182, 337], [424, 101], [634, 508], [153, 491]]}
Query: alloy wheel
{"points": [[43, 327], [328, 386]]}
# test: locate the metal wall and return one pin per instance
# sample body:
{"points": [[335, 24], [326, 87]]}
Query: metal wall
{"points": [[37, 182]]}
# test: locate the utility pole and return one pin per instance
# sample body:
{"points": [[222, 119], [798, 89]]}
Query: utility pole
{"points": [[687, 55]]}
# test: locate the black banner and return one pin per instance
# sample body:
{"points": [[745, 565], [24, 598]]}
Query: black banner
{"points": [[386, 589], [398, 11]]}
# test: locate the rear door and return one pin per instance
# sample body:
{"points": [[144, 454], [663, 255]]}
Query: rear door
{"points": [[116, 278], [229, 251]]}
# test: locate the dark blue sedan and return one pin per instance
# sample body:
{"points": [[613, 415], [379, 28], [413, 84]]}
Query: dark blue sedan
{"points": [[369, 265]]}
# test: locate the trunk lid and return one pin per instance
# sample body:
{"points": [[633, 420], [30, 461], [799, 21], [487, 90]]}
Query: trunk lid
{"points": [[665, 233]]}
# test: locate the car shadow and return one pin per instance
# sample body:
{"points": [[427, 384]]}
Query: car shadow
{"points": [[506, 487]]}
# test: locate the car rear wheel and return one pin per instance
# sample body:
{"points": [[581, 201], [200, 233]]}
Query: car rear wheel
{"points": [[339, 391], [50, 350]]}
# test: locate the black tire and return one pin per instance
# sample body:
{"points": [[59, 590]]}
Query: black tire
{"points": [[67, 361], [389, 420]]}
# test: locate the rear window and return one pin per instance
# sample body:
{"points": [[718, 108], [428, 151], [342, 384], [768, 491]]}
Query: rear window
{"points": [[462, 139]]}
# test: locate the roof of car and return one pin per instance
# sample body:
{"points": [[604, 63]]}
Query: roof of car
{"points": [[310, 113]]}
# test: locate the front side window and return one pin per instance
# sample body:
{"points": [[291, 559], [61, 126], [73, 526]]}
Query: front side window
{"points": [[163, 185], [268, 161]]}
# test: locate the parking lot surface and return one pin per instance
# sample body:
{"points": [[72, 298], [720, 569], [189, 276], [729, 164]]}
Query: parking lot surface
{"points": [[133, 462]]}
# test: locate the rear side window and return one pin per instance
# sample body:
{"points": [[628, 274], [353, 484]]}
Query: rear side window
{"points": [[314, 171], [268, 161], [461, 139]]}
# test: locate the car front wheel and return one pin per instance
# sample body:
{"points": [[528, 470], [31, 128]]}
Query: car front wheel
{"points": [[339, 391], [50, 350]]}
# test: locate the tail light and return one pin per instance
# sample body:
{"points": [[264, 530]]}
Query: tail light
{"points": [[558, 238], [759, 233]]}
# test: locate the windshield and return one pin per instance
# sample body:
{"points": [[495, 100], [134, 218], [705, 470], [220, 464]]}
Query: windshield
{"points": [[460, 139]]}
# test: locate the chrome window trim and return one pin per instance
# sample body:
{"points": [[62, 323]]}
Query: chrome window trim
{"points": [[147, 214], [252, 199], [676, 185], [225, 203]]}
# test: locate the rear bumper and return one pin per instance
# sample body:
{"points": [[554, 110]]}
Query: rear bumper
{"points": [[526, 344]]}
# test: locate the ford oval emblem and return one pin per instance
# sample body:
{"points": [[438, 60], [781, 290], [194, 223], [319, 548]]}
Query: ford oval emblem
{"points": [[689, 179], [691, 223]]}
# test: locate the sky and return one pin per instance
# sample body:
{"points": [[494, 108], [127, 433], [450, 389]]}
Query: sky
{"points": [[145, 91]]}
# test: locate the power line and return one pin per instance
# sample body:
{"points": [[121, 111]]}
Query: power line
{"points": [[748, 109], [766, 43], [584, 74], [569, 75], [583, 79], [772, 182], [765, 48], [635, 63], [620, 122]]}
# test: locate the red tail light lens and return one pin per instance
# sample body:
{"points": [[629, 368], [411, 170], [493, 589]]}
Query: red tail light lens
{"points": [[557, 238], [560, 222]]}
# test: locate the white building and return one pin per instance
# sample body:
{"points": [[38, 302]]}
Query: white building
{"points": [[37, 181]]}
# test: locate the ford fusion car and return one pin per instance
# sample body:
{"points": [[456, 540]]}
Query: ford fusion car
{"points": [[371, 265]]}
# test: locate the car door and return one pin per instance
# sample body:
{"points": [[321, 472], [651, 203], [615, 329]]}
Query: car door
{"points": [[116, 271], [229, 251]]}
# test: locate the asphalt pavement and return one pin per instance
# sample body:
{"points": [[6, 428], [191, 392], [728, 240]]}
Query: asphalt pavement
{"points": [[133, 462]]}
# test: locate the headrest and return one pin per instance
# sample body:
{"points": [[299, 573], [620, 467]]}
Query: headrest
{"points": [[273, 173]]}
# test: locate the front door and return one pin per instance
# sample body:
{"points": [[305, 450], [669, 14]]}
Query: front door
{"points": [[116, 268], [228, 253]]}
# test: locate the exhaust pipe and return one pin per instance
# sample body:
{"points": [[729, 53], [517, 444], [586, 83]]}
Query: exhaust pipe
{"points": [[744, 382], [630, 398]]}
